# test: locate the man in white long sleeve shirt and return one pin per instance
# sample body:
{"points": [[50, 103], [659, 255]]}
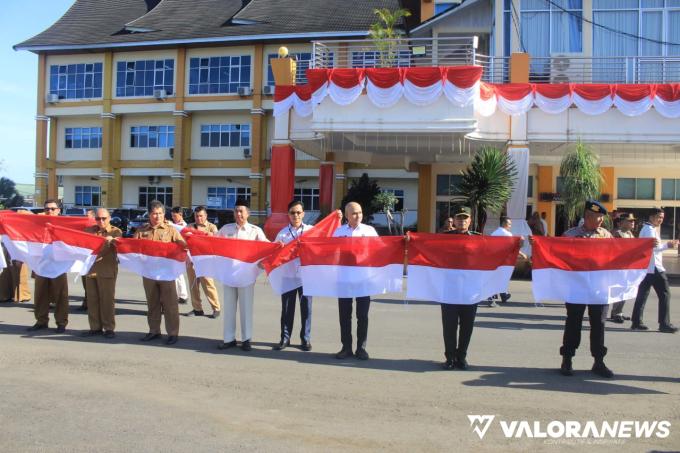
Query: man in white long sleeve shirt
{"points": [[503, 230], [180, 284], [656, 277]]}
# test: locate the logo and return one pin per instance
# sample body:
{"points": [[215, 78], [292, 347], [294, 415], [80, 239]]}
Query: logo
{"points": [[480, 423]]}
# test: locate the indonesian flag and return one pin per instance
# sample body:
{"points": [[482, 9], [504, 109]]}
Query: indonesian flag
{"points": [[161, 261], [283, 266], [459, 269], [3, 262], [589, 271], [76, 246], [28, 239], [233, 262], [351, 267]]}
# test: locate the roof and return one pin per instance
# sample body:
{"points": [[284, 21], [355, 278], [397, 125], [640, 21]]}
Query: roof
{"points": [[102, 24]]}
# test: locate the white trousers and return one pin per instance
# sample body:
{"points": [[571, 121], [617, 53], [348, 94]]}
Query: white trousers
{"points": [[181, 287], [244, 298]]}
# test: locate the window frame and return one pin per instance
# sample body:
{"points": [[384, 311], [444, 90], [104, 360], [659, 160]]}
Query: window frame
{"points": [[225, 130], [55, 77], [142, 136], [124, 71], [197, 68], [83, 191]]}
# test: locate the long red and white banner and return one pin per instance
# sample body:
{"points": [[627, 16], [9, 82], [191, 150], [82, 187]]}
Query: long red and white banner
{"points": [[161, 261], [351, 267], [77, 246], [283, 266], [461, 85], [588, 271], [233, 262], [457, 269]]}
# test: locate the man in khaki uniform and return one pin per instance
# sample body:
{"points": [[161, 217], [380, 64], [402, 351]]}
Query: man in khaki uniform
{"points": [[51, 290], [101, 281], [6, 284], [624, 231], [201, 224], [20, 275], [161, 296]]}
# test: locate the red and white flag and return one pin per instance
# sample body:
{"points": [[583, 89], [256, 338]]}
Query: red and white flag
{"points": [[588, 271], [162, 261], [351, 267], [459, 269], [27, 239], [233, 262], [283, 266], [79, 247]]}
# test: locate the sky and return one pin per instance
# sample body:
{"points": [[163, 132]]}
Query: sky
{"points": [[20, 20]]}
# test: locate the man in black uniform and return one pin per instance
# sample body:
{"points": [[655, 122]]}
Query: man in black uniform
{"points": [[455, 346]]}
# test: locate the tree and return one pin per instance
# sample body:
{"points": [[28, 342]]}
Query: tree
{"points": [[384, 34], [362, 191], [9, 197], [581, 180], [386, 201], [487, 184]]}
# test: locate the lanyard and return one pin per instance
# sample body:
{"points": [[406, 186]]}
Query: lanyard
{"points": [[294, 235]]}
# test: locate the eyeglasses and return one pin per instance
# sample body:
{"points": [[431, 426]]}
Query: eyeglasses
{"points": [[99, 219], [295, 212], [51, 209]]}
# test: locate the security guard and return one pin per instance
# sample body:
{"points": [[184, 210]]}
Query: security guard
{"points": [[597, 313], [51, 290], [624, 231], [161, 296], [101, 281], [456, 345], [201, 224]]}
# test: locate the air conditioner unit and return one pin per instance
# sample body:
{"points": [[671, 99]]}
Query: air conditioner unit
{"points": [[246, 153], [569, 68], [160, 93], [154, 179], [52, 98], [245, 91], [268, 90]]}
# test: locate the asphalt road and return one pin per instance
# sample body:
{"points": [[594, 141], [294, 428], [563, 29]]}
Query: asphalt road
{"points": [[65, 393]]}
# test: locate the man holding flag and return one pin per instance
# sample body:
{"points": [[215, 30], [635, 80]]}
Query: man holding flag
{"points": [[202, 225]]}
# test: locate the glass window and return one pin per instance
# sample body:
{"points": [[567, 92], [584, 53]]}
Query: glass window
{"points": [[82, 137], [88, 196], [225, 135], [141, 78], [447, 185], [399, 194], [530, 187], [626, 188], [152, 136], [308, 197], [635, 188], [374, 59], [225, 197], [670, 189], [151, 193], [440, 7], [76, 81], [219, 74]]}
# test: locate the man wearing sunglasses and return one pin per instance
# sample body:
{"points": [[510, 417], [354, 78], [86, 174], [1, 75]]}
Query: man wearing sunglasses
{"points": [[101, 281]]}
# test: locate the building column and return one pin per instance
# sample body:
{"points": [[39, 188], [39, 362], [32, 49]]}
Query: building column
{"points": [[52, 183], [106, 176], [340, 184], [544, 178], [608, 186], [326, 183], [41, 173], [258, 193], [179, 180], [425, 199], [282, 187]]}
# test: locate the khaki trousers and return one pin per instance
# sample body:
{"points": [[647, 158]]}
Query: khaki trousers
{"points": [[101, 309], [20, 276], [209, 289], [161, 298], [51, 290]]}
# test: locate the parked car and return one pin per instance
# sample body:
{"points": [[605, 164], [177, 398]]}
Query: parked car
{"points": [[34, 210], [75, 212]]}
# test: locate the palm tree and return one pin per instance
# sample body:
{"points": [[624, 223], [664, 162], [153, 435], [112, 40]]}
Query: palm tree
{"points": [[385, 35], [487, 184], [581, 179]]}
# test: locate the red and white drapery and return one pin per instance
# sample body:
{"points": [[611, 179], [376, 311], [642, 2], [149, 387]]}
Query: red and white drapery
{"points": [[461, 85]]}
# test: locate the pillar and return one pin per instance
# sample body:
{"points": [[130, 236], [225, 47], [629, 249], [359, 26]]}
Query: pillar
{"points": [[41, 136], [282, 187], [258, 193], [340, 183], [326, 180], [425, 199], [608, 182], [545, 185], [106, 175], [52, 184], [179, 161]]}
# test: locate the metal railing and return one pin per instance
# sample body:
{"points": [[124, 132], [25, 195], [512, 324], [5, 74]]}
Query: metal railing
{"points": [[496, 69], [576, 69]]}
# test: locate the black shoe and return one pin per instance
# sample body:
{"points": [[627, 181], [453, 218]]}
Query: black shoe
{"points": [[306, 346], [668, 328], [60, 329], [36, 326], [181, 301], [223, 345], [195, 313], [91, 333], [461, 364], [565, 368], [172, 339], [245, 346], [282, 345], [601, 369], [639, 327], [344, 353], [150, 336], [492, 303], [617, 319], [506, 297], [361, 354], [215, 314], [82, 308], [109, 334], [625, 318], [448, 365]]}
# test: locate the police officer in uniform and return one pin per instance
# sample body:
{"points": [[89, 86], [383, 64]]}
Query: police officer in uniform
{"points": [[597, 313], [208, 284], [161, 296], [624, 231], [455, 344], [101, 280]]}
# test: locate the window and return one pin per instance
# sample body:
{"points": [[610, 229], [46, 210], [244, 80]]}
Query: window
{"points": [[151, 193], [141, 78], [76, 81], [224, 135], [447, 185], [88, 196], [635, 188], [670, 189], [507, 27], [225, 197], [152, 136], [303, 60], [83, 137], [530, 187], [375, 59], [218, 74], [308, 197], [399, 193], [441, 6]]}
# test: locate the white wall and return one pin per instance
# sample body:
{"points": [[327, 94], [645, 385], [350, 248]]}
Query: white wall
{"points": [[69, 186], [64, 154], [221, 153], [131, 185], [155, 154]]}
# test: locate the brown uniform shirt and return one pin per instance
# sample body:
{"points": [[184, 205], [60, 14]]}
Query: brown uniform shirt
{"points": [[624, 234], [580, 232], [163, 232], [207, 228], [106, 264]]}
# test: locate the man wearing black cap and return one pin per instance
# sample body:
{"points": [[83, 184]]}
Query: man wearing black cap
{"points": [[597, 313], [624, 231], [455, 346]]}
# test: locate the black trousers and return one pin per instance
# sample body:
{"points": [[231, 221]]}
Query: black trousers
{"points": [[660, 283], [345, 312], [455, 345], [572, 329], [288, 314]]}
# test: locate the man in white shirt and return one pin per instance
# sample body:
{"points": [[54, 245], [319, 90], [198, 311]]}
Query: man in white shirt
{"points": [[544, 215], [292, 232], [180, 283], [241, 229], [354, 228], [504, 229], [656, 277]]}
